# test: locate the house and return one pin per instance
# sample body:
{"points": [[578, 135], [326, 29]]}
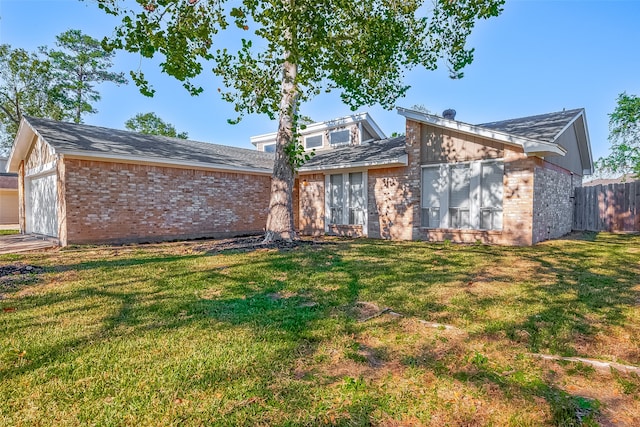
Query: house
{"points": [[356, 129], [88, 184], [508, 182], [8, 195]]}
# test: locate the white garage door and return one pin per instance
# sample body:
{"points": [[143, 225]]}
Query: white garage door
{"points": [[42, 217]]}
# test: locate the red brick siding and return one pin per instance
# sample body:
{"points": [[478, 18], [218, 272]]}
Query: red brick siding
{"points": [[9, 182], [311, 204], [115, 202]]}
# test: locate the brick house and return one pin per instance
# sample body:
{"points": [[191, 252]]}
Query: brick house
{"points": [[87, 184], [508, 182]]}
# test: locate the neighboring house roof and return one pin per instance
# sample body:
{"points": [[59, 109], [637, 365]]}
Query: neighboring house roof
{"points": [[386, 152], [364, 118], [606, 181], [103, 143], [536, 135]]}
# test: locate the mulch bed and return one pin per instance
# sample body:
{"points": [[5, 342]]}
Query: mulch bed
{"points": [[13, 275], [254, 243]]}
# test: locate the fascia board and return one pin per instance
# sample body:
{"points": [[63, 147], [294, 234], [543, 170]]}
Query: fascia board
{"points": [[81, 154], [400, 161], [329, 124], [530, 146], [21, 145]]}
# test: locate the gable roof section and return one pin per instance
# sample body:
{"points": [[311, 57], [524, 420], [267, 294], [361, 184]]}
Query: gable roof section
{"points": [[383, 153], [78, 140], [542, 127], [537, 135]]}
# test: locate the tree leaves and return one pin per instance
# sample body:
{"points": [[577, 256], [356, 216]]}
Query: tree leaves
{"points": [[624, 136], [151, 124], [77, 67]]}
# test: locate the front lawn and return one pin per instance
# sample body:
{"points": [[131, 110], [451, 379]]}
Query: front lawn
{"points": [[173, 335]]}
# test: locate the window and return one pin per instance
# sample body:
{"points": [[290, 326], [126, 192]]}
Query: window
{"points": [[491, 191], [313, 141], [463, 196], [270, 148], [346, 198], [459, 195], [431, 197], [340, 137]]}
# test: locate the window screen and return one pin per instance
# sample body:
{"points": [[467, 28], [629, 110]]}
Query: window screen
{"points": [[459, 200], [313, 141], [336, 199], [356, 199], [491, 192], [340, 137], [431, 197]]}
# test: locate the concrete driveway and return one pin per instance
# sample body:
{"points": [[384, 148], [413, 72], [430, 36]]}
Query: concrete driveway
{"points": [[14, 243]]}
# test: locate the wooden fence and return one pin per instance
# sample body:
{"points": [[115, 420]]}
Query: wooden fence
{"points": [[612, 207]]}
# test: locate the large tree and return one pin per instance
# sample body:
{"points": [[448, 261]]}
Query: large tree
{"points": [[151, 124], [360, 47], [79, 65], [624, 136], [26, 87]]}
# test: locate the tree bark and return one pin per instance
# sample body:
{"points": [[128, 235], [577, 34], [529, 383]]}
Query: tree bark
{"points": [[280, 218]]}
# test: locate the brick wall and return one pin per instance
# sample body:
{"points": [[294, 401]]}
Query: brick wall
{"points": [[394, 198], [9, 181], [311, 204], [115, 202], [554, 190]]}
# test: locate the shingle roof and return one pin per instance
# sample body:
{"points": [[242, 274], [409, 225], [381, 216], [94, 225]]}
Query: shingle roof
{"points": [[67, 137], [543, 127], [378, 152]]}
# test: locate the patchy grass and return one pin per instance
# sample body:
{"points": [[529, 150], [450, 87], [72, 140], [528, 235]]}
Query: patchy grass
{"points": [[8, 232], [168, 334]]}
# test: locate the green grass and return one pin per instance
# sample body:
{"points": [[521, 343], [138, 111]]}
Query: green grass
{"points": [[168, 334], [8, 232]]}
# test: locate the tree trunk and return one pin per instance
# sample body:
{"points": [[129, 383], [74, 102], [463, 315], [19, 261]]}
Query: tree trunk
{"points": [[280, 219]]}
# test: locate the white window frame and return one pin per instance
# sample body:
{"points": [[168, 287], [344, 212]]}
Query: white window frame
{"points": [[345, 195], [306, 147], [474, 194], [348, 130], [264, 147]]}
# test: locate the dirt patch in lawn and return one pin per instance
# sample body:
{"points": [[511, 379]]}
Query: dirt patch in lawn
{"points": [[14, 275], [254, 243]]}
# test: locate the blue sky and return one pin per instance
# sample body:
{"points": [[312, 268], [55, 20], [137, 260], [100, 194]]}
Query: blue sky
{"points": [[537, 57]]}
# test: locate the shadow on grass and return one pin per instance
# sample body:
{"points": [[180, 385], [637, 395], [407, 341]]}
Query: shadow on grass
{"points": [[287, 298]]}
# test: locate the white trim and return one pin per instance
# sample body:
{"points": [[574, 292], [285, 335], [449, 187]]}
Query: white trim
{"points": [[530, 146], [475, 171], [156, 161], [400, 161], [41, 170], [362, 118], [345, 200]]}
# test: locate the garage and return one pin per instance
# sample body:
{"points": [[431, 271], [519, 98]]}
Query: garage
{"points": [[41, 205]]}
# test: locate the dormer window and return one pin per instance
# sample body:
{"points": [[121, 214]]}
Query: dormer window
{"points": [[313, 141], [269, 148], [340, 137]]}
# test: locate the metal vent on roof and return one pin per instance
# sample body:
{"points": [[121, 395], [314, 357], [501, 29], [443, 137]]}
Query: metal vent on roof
{"points": [[449, 113]]}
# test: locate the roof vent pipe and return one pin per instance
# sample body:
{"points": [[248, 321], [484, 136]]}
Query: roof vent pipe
{"points": [[449, 114]]}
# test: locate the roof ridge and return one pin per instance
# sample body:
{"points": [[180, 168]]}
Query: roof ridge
{"points": [[576, 110], [146, 135]]}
